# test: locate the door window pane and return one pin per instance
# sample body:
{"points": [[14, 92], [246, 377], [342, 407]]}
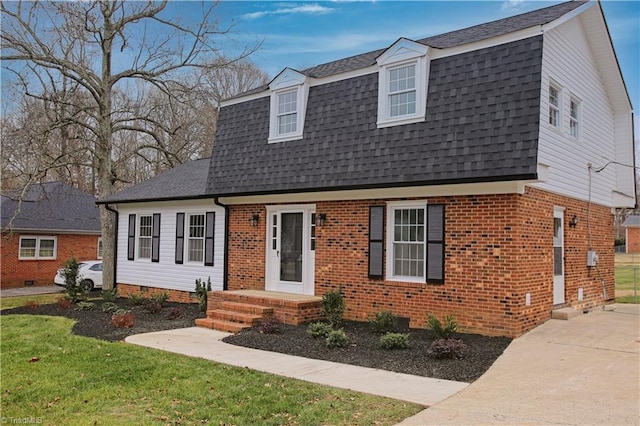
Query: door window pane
{"points": [[291, 247]]}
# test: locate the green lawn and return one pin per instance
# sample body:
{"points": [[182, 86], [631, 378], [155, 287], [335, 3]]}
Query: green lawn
{"points": [[625, 277], [50, 375], [41, 299]]}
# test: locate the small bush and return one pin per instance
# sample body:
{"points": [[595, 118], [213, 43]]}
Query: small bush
{"points": [[442, 331], [32, 304], [270, 324], [152, 307], [63, 303], [160, 298], [447, 348], [175, 313], [109, 307], [110, 295], [84, 306], [319, 329], [337, 339], [383, 321], [72, 287], [333, 306], [202, 291], [137, 299], [123, 319], [394, 341]]}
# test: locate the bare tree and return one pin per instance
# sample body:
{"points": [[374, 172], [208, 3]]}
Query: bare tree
{"points": [[104, 47]]}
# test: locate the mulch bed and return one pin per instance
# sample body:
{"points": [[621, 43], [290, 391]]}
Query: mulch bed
{"points": [[363, 350]]}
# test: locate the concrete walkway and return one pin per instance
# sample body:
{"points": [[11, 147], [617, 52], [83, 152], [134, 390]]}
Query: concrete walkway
{"points": [[205, 343], [30, 291], [584, 371]]}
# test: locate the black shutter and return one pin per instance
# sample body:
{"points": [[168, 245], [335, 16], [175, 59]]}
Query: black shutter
{"points": [[376, 235], [131, 241], [179, 238], [208, 238], [435, 243], [155, 238]]}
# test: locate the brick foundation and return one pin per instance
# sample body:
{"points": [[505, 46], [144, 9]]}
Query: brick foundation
{"points": [[498, 249], [126, 290]]}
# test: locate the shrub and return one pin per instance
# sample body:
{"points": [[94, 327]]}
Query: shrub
{"points": [[160, 298], [32, 304], [337, 339], [270, 324], [123, 319], [137, 299], [152, 307], [383, 321], [110, 295], [394, 341], [63, 303], [442, 331], [175, 313], [333, 306], [319, 329], [72, 287], [201, 292], [447, 348], [84, 306], [109, 307]]}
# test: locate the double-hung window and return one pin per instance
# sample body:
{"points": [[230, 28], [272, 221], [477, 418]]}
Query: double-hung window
{"points": [[554, 106], [289, 92], [287, 112], [32, 248], [145, 227], [574, 117], [402, 91], [408, 242], [195, 242]]}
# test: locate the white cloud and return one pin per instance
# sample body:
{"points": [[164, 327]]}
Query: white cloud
{"points": [[307, 9], [513, 5]]}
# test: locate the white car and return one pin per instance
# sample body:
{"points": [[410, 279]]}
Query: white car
{"points": [[89, 275]]}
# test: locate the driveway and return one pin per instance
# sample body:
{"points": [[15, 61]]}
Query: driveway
{"points": [[584, 371]]}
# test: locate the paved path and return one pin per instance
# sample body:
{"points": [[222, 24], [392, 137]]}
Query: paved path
{"points": [[205, 343], [30, 291], [584, 371]]}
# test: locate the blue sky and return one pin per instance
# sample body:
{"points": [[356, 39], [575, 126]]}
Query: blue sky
{"points": [[299, 34]]}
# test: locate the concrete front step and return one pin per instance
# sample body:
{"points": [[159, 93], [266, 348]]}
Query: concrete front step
{"points": [[244, 308], [564, 313]]}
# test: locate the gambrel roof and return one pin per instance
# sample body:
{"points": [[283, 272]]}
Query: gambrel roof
{"points": [[50, 207]]}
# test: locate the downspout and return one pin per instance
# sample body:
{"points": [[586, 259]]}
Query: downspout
{"points": [[115, 246], [225, 267]]}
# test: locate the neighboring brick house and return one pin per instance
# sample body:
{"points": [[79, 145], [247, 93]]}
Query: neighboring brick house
{"points": [[458, 174], [44, 226], [632, 233]]}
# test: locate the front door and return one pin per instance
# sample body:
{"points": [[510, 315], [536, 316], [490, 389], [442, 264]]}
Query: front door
{"points": [[558, 256], [290, 252]]}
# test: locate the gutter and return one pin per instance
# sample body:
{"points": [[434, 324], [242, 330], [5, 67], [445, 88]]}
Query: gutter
{"points": [[225, 266], [115, 246]]}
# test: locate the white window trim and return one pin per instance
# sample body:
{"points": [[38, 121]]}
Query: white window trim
{"points": [[578, 119], [187, 238], [98, 251], [403, 53], [288, 81], [139, 236], [550, 106], [37, 253], [391, 207]]}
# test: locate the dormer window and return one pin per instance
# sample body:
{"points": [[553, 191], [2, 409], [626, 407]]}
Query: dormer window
{"points": [[289, 92], [402, 83]]}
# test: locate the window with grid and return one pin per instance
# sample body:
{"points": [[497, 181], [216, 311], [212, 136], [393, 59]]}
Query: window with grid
{"points": [[195, 245], [408, 242], [574, 121], [145, 227], [402, 91], [37, 248], [554, 106], [287, 112]]}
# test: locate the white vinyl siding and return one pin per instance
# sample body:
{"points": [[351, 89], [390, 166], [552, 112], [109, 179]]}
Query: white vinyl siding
{"points": [[37, 248], [166, 273]]}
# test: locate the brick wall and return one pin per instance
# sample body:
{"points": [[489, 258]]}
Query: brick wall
{"points": [[15, 272], [126, 290], [498, 249], [633, 240]]}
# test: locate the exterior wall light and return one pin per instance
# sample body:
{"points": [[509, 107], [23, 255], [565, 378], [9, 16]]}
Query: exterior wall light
{"points": [[255, 218], [322, 219], [573, 222]]}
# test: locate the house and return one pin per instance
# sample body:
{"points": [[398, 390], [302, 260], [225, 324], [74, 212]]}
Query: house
{"points": [[44, 226], [632, 233], [169, 234], [471, 173]]}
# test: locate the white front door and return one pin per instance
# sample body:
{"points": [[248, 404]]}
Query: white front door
{"points": [[558, 256], [290, 262]]}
